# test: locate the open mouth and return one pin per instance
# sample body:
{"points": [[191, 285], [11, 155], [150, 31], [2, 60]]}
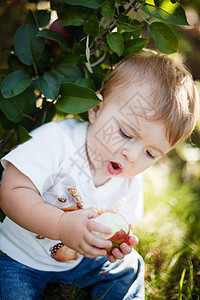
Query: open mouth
{"points": [[114, 168]]}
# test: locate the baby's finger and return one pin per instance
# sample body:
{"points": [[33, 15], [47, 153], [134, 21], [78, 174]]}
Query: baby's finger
{"points": [[91, 251], [98, 242], [112, 259], [126, 249], [117, 253], [94, 226], [133, 240]]}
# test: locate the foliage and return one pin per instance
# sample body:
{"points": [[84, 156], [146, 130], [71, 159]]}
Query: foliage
{"points": [[56, 68]]}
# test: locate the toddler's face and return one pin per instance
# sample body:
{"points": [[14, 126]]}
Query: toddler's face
{"points": [[120, 141]]}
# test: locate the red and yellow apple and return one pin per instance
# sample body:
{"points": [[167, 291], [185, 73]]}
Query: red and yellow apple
{"points": [[118, 224]]}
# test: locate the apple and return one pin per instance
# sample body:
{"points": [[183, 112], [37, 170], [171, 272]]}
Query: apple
{"points": [[118, 224]]}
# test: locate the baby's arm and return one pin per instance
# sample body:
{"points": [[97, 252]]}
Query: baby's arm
{"points": [[21, 202]]}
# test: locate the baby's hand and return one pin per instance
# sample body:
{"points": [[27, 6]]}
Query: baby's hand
{"points": [[75, 231], [125, 248]]}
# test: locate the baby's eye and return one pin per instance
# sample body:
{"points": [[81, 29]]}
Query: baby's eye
{"points": [[150, 155], [124, 135]]}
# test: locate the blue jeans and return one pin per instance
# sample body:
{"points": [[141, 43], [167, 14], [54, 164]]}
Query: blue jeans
{"points": [[123, 279]]}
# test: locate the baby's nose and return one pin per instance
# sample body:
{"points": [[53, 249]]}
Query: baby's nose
{"points": [[132, 155]]}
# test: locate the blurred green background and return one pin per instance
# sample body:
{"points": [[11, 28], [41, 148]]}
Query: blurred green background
{"points": [[170, 230]]}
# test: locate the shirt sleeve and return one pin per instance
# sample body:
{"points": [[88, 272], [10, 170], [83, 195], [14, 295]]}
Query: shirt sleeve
{"points": [[132, 207], [40, 157]]}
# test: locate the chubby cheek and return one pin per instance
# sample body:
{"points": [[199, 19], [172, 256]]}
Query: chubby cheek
{"points": [[139, 167], [104, 138], [97, 150]]}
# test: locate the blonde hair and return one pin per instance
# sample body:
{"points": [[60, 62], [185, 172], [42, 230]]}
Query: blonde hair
{"points": [[175, 99]]}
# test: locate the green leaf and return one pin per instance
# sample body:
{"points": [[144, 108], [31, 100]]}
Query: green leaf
{"points": [[15, 65], [44, 61], [164, 37], [49, 85], [87, 3], [157, 2], [91, 26], [76, 99], [15, 83], [43, 17], [135, 45], [3, 74], [60, 77], [130, 27], [98, 78], [67, 58], [22, 134], [5, 123], [70, 72], [116, 43], [15, 107], [86, 82], [51, 35], [168, 12], [28, 47], [40, 18], [121, 2], [72, 17], [80, 47], [107, 10], [31, 18]]}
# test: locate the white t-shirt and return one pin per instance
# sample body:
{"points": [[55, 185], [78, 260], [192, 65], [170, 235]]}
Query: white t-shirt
{"points": [[55, 160]]}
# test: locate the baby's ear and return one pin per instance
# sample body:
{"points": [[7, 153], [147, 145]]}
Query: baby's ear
{"points": [[93, 112]]}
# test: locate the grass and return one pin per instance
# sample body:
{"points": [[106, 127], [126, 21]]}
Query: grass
{"points": [[168, 234], [56, 291]]}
